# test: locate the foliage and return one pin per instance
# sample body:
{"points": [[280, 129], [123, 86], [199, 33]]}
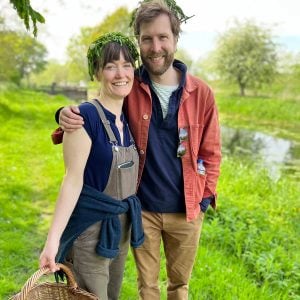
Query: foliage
{"points": [[204, 68], [296, 66], [95, 49], [76, 53], [184, 56], [78, 45], [258, 223], [53, 72], [26, 12], [246, 55], [20, 55], [30, 177]]}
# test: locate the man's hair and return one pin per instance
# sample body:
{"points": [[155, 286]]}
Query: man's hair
{"points": [[149, 10]]}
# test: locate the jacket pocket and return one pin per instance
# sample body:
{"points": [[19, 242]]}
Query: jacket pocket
{"points": [[199, 187], [195, 138]]}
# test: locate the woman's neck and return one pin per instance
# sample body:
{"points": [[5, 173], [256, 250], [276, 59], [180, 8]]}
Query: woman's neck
{"points": [[113, 105]]}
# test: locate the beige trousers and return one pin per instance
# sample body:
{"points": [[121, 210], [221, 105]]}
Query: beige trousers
{"points": [[180, 241]]}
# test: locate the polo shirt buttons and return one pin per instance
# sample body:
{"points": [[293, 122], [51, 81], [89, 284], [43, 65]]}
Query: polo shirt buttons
{"points": [[142, 152]]}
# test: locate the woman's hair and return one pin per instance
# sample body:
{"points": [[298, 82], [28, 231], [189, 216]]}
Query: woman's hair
{"points": [[108, 48], [110, 52]]}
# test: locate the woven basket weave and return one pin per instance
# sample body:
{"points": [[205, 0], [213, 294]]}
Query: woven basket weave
{"points": [[32, 290]]}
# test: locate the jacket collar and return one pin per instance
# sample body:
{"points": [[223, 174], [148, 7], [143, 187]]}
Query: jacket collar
{"points": [[187, 83]]}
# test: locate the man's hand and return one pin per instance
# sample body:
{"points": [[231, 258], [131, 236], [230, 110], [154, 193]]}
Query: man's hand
{"points": [[204, 204], [69, 118]]}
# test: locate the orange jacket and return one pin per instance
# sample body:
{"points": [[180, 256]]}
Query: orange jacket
{"points": [[197, 113]]}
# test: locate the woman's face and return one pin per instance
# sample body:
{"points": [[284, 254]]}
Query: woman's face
{"points": [[116, 78]]}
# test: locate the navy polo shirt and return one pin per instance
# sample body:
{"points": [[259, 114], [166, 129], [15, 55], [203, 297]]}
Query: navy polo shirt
{"points": [[98, 165], [161, 187]]}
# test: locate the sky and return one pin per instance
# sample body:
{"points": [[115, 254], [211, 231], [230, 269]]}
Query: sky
{"points": [[65, 18]]}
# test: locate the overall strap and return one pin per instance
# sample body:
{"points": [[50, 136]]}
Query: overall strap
{"points": [[106, 123], [132, 142]]}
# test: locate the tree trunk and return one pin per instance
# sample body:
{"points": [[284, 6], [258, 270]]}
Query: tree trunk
{"points": [[242, 90]]}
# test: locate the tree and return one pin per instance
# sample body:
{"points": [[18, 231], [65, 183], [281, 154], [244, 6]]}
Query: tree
{"points": [[78, 45], [53, 72], [76, 52], [26, 12], [20, 54], [184, 56], [288, 81], [246, 55], [204, 68], [296, 66]]}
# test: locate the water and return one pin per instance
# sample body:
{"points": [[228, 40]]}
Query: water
{"points": [[278, 156]]}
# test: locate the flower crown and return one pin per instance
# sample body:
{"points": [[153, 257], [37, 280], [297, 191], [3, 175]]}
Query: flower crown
{"points": [[95, 49], [174, 8]]}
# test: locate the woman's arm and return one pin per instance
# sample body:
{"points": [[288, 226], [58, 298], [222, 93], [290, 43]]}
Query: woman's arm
{"points": [[76, 149]]}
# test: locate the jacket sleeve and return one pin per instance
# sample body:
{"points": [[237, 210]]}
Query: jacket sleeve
{"points": [[57, 134], [210, 148]]}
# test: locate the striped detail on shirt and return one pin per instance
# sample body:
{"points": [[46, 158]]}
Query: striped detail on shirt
{"points": [[164, 93]]}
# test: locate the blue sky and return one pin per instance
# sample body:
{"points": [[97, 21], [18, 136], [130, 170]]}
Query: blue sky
{"points": [[64, 19]]}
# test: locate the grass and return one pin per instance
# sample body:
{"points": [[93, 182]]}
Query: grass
{"points": [[258, 223], [270, 115], [30, 177], [249, 247]]}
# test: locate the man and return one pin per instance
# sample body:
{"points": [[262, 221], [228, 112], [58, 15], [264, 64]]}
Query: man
{"points": [[174, 120]]}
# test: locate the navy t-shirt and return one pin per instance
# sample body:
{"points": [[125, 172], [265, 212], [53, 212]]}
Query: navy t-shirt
{"points": [[98, 165]]}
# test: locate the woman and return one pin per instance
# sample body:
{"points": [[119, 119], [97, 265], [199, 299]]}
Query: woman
{"points": [[91, 226]]}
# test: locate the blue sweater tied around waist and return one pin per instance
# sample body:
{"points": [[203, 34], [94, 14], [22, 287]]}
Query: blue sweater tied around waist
{"points": [[93, 206]]}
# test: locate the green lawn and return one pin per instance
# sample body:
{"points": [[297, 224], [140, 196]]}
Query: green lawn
{"points": [[249, 247], [280, 118]]}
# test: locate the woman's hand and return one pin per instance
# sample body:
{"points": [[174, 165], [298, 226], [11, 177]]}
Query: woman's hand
{"points": [[47, 257]]}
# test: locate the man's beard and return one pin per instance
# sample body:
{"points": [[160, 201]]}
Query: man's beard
{"points": [[158, 70]]}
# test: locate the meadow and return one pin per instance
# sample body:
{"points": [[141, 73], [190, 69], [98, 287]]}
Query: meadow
{"points": [[249, 247]]}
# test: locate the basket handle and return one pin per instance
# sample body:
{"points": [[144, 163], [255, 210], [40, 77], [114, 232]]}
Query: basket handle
{"points": [[44, 271]]}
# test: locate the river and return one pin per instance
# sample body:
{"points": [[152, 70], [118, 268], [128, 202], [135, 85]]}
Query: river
{"points": [[278, 156]]}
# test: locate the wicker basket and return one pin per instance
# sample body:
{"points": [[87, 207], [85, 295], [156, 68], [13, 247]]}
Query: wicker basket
{"points": [[53, 291]]}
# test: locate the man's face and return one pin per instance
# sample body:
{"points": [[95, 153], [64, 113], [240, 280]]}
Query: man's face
{"points": [[157, 45]]}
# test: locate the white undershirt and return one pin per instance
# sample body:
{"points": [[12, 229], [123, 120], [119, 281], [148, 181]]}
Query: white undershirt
{"points": [[164, 93]]}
